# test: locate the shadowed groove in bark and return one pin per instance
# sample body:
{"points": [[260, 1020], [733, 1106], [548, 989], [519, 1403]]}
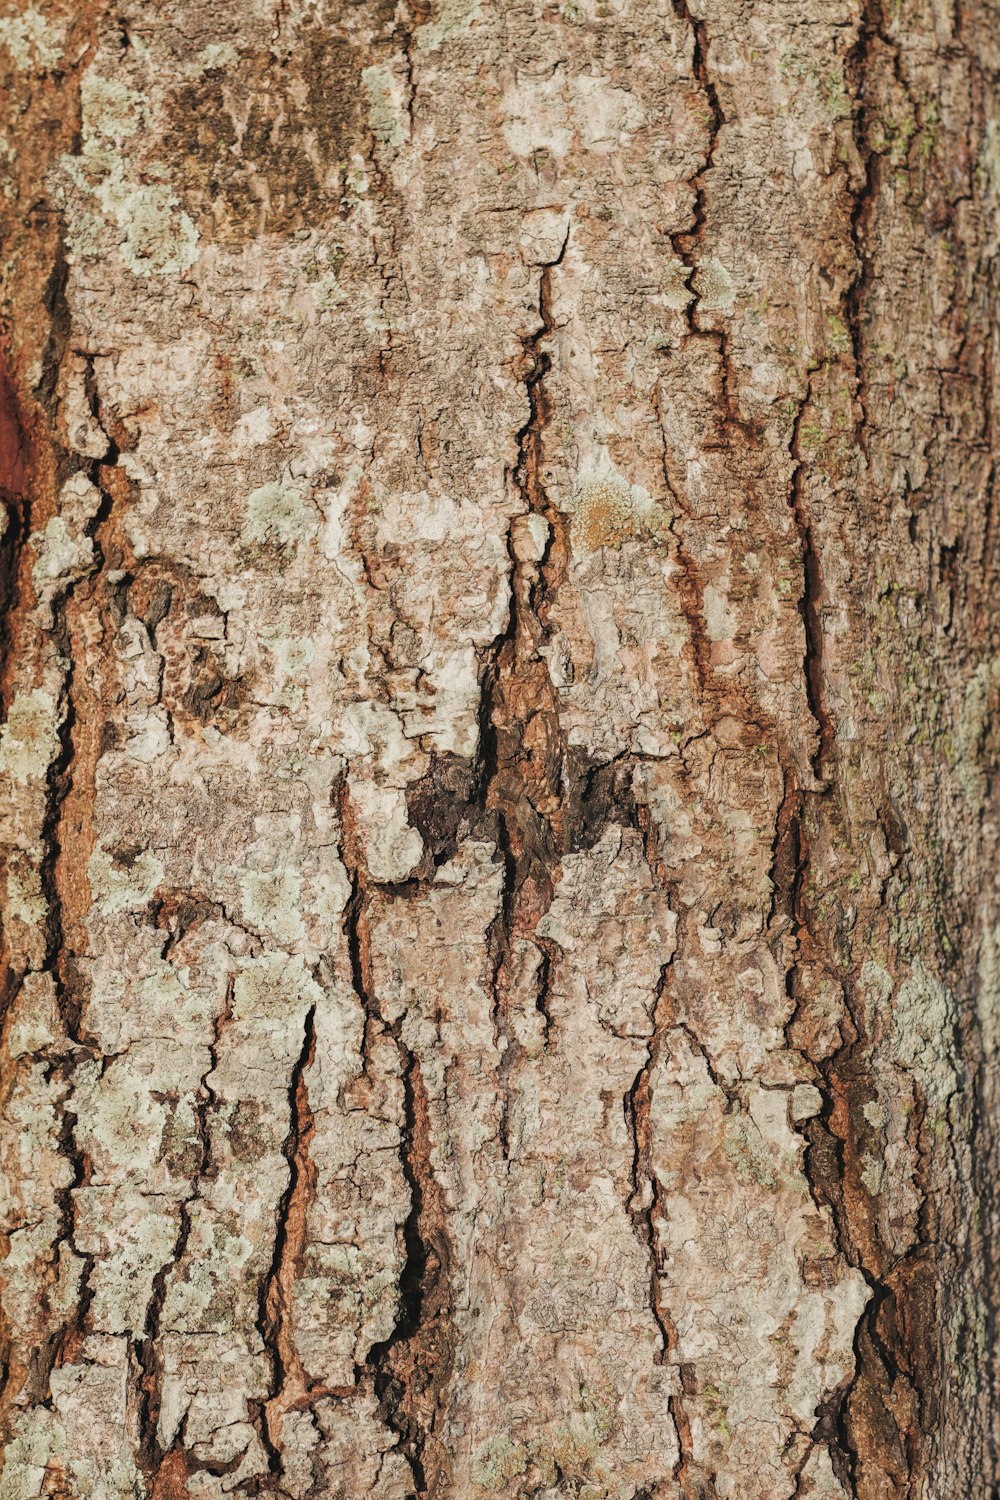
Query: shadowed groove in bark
{"points": [[789, 874], [887, 1351], [146, 1352], [684, 243], [58, 957], [516, 683], [644, 1207], [275, 1295], [416, 1357]]}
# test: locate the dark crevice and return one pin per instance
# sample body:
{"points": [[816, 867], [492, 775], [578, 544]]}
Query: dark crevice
{"points": [[147, 1351], [274, 1295], [409, 1369]]}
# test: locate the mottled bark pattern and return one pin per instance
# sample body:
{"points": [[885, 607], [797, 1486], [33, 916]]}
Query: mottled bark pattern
{"points": [[498, 751]]}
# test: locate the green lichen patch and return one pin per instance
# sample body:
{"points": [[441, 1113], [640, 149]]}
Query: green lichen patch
{"points": [[498, 1461], [39, 1441], [747, 1153], [29, 741], [25, 899], [159, 236], [119, 1119], [156, 235], [109, 109], [277, 515]]}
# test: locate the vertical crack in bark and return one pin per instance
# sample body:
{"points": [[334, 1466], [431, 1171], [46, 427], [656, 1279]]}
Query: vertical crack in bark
{"points": [[644, 1207], [411, 1367], [789, 874], [58, 957], [861, 213], [288, 1379], [645, 1200], [526, 790], [877, 1367], [147, 1355], [684, 243]]}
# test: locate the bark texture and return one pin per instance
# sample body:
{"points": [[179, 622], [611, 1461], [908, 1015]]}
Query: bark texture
{"points": [[499, 757]]}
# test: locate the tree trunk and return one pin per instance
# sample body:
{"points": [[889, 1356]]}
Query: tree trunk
{"points": [[499, 756]]}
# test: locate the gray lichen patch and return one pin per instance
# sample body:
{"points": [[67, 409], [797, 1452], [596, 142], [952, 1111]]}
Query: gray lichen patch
{"points": [[385, 105], [109, 109], [123, 880], [61, 555], [159, 236], [154, 234], [980, 712], [714, 286], [448, 18], [29, 740], [272, 902], [674, 285], [923, 1023], [25, 897], [31, 40]]}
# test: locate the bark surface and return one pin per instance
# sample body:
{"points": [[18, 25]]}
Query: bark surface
{"points": [[501, 959]]}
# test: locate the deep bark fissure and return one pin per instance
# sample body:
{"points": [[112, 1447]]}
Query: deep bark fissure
{"points": [[415, 1356], [58, 956], [275, 1297], [146, 1351]]}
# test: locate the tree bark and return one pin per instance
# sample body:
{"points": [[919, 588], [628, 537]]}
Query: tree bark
{"points": [[498, 766]]}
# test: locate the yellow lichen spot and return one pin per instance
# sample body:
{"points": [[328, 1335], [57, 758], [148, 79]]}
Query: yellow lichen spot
{"points": [[607, 511], [605, 516]]}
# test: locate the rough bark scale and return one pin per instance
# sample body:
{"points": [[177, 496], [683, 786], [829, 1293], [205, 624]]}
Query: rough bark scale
{"points": [[501, 967]]}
